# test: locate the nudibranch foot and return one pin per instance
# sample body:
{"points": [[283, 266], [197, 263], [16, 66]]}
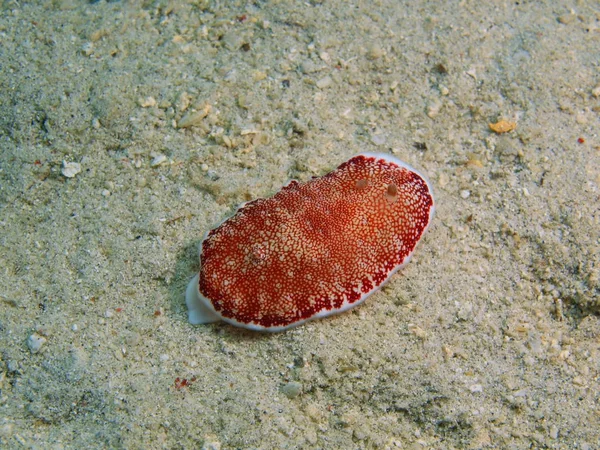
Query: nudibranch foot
{"points": [[199, 311]]}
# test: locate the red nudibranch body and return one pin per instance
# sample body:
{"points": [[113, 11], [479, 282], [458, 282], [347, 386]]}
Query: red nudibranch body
{"points": [[313, 249]]}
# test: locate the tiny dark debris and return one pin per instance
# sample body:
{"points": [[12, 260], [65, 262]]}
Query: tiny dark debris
{"points": [[440, 68]]}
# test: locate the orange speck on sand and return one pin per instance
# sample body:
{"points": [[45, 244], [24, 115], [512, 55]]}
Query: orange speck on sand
{"points": [[502, 126]]}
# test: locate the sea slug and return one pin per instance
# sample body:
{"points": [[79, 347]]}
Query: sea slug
{"points": [[313, 249]]}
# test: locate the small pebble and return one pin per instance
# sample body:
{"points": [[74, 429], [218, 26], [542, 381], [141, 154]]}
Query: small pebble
{"points": [[433, 109], [443, 179], [184, 101], [374, 52], [147, 102], [87, 49], [193, 118], [259, 75], [581, 119], [476, 388], [465, 194], [309, 67], [324, 82], [378, 139], [70, 169], [211, 445], [291, 389], [35, 342], [360, 435], [158, 160], [566, 19], [233, 39]]}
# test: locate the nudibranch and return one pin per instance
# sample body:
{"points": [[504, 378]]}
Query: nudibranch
{"points": [[313, 249]]}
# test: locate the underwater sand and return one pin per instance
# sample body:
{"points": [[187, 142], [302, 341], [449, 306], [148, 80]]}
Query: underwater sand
{"points": [[129, 129]]}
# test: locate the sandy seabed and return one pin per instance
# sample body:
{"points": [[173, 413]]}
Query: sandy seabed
{"points": [[128, 129]]}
